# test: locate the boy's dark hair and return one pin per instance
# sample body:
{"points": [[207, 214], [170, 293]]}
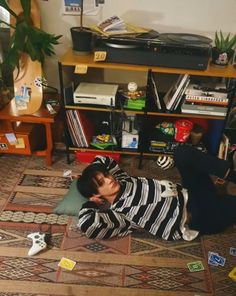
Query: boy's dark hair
{"points": [[87, 184]]}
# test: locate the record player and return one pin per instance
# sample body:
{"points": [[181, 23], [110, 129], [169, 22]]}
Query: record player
{"points": [[174, 50]]}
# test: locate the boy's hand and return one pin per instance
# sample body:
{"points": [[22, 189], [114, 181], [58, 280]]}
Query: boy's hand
{"points": [[96, 198]]}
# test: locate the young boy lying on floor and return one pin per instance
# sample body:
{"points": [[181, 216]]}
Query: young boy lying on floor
{"points": [[168, 211]]}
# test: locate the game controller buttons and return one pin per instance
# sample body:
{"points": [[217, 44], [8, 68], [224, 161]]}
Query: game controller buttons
{"points": [[38, 243]]}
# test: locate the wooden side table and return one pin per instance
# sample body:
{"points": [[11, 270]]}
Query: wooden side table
{"points": [[10, 114]]}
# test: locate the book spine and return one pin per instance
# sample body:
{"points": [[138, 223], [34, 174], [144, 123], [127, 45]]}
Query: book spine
{"points": [[207, 110], [73, 130], [178, 90], [206, 100], [80, 128]]}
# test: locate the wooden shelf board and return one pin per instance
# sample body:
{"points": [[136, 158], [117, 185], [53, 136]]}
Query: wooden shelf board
{"points": [[108, 151], [88, 108], [71, 59], [149, 113], [10, 112]]}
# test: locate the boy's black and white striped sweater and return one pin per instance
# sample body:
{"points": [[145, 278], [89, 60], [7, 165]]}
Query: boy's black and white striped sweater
{"points": [[139, 204]]}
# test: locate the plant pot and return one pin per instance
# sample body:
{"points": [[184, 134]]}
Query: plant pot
{"points": [[82, 40], [220, 58]]}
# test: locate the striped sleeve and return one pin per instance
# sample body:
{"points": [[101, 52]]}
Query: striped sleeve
{"points": [[111, 165], [103, 224]]}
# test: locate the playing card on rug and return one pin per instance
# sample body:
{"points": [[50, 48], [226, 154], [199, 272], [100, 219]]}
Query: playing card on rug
{"points": [[211, 258], [232, 274], [217, 259], [67, 263], [232, 251], [195, 266]]}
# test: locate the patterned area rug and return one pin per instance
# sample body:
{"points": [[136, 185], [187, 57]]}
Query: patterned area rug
{"points": [[43, 189], [221, 244], [134, 265]]}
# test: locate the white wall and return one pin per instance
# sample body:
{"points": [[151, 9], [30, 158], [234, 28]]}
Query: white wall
{"points": [[189, 16]]}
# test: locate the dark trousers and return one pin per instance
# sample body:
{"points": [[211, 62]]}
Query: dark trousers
{"points": [[210, 211]]}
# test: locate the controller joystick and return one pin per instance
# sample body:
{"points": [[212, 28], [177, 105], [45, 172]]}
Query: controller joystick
{"points": [[39, 243]]}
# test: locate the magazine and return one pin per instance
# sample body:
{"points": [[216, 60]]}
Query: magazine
{"points": [[177, 88], [116, 26], [113, 23], [195, 94]]}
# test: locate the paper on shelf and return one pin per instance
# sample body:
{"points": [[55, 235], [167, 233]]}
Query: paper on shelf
{"points": [[11, 138], [130, 30], [20, 143]]}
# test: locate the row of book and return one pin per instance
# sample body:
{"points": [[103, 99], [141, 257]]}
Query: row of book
{"points": [[209, 102], [188, 97], [82, 131], [80, 128]]}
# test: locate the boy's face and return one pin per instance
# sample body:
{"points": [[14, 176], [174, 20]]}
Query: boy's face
{"points": [[107, 185]]}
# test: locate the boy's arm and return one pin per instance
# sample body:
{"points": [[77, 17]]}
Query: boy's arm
{"points": [[102, 224], [111, 165]]}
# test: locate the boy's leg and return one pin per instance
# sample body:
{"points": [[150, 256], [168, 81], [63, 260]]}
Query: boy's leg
{"points": [[192, 159], [214, 217], [194, 167], [210, 212]]}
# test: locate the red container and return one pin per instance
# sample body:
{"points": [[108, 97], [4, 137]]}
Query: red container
{"points": [[183, 128], [88, 156]]}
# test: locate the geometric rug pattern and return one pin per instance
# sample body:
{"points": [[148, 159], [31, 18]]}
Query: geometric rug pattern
{"points": [[74, 240], [30, 269], [138, 276], [31, 217], [221, 244], [17, 238], [134, 265]]}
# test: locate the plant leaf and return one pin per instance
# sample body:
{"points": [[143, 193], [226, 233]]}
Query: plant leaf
{"points": [[224, 44], [28, 39], [26, 5], [3, 3]]}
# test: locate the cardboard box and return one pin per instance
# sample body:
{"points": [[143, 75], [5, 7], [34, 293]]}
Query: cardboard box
{"points": [[22, 140], [88, 156]]}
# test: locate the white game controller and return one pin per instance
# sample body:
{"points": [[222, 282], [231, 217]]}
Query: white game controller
{"points": [[39, 243]]}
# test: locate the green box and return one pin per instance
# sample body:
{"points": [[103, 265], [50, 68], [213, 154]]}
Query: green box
{"points": [[138, 104]]}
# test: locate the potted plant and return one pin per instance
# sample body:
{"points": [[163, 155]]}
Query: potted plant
{"points": [[223, 50], [26, 38], [29, 45], [82, 37]]}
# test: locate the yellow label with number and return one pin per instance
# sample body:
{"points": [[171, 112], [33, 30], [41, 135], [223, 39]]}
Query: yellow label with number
{"points": [[81, 69], [67, 263], [100, 56]]}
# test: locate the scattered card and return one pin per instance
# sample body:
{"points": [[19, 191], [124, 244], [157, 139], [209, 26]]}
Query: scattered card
{"points": [[211, 259], [195, 266], [67, 263], [218, 259], [232, 274], [232, 251], [215, 259]]}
